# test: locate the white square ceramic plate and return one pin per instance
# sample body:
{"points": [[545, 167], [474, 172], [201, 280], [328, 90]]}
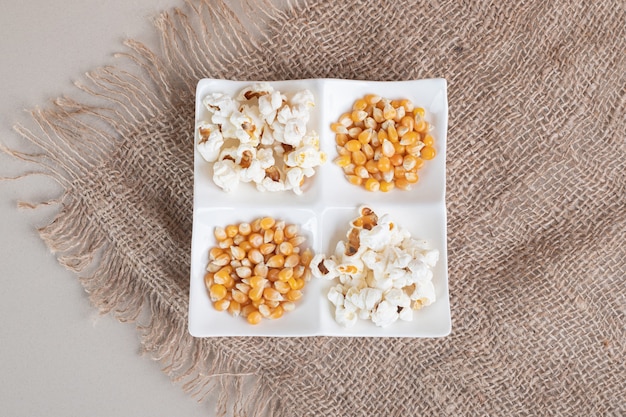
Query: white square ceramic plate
{"points": [[323, 211]]}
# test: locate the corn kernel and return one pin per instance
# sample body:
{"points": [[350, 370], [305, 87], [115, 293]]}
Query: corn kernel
{"points": [[267, 223], [345, 119], [293, 295], [222, 259], [371, 166], [353, 145], [256, 293], [255, 256], [372, 185], [267, 248], [276, 313], [354, 132], [271, 294], [255, 239], [392, 133], [396, 159], [384, 165], [220, 233], [407, 104], [254, 317], [288, 306], [217, 292], [407, 121], [402, 130], [223, 274], [272, 274], [358, 116], [377, 115], [341, 139], [409, 138], [428, 140], [359, 158], [381, 136], [400, 113], [221, 305], [264, 309], [285, 274], [257, 281], [247, 309], [388, 149], [208, 279], [367, 150], [370, 123], [402, 184], [421, 126], [306, 257], [360, 104], [338, 128], [276, 261], [386, 186], [234, 308], [361, 171], [268, 236], [428, 152], [343, 160], [243, 272], [411, 177], [389, 112], [215, 252], [285, 248], [232, 230], [282, 287], [372, 98], [246, 246], [244, 229], [296, 283], [291, 230], [292, 260], [239, 297], [260, 269], [243, 287], [237, 253], [365, 136], [279, 236]]}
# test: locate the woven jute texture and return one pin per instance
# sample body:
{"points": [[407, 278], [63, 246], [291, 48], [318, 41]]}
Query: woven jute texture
{"points": [[536, 202]]}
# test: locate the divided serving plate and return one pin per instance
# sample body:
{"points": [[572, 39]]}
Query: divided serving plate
{"points": [[323, 213]]}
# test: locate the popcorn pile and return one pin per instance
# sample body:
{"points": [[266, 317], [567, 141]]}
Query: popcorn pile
{"points": [[260, 137], [383, 273]]}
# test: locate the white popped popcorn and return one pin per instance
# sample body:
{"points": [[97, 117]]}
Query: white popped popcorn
{"points": [[211, 141], [383, 273], [266, 138]]}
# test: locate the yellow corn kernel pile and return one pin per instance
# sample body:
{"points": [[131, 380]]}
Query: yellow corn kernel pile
{"points": [[257, 270], [382, 143]]}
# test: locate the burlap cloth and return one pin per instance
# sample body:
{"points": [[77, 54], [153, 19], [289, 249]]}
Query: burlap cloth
{"points": [[536, 202]]}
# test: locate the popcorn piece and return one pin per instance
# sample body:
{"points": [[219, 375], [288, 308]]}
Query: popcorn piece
{"points": [[295, 179], [345, 317], [255, 91], [210, 142], [226, 175], [268, 184], [383, 273], [385, 314], [303, 98], [267, 138]]}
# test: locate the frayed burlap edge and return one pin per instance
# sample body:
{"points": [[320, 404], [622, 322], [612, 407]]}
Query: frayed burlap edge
{"points": [[76, 135]]}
